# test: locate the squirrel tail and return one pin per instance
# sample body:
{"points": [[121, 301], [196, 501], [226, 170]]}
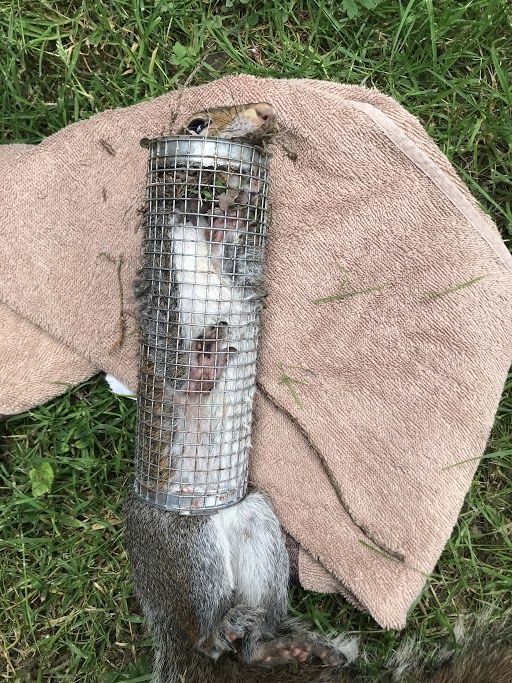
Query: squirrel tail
{"points": [[482, 654]]}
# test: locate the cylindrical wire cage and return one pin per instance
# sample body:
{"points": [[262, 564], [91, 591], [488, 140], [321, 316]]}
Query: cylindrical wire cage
{"points": [[200, 292]]}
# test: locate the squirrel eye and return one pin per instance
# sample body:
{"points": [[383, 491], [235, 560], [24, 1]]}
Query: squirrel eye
{"points": [[197, 126]]}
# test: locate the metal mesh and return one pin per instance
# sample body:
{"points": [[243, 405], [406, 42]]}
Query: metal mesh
{"points": [[200, 291]]}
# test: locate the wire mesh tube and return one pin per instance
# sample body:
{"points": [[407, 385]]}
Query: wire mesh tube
{"points": [[200, 291]]}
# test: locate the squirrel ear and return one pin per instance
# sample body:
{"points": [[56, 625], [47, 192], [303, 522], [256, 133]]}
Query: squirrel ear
{"points": [[197, 126]]}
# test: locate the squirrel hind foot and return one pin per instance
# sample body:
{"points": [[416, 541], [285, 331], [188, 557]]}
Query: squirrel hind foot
{"points": [[283, 652], [242, 621]]}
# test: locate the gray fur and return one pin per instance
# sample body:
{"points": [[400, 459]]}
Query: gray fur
{"points": [[214, 593], [190, 577]]}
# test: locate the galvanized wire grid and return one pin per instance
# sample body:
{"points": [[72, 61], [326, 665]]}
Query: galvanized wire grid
{"points": [[200, 291]]}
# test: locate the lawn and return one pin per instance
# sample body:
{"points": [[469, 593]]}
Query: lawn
{"points": [[67, 612]]}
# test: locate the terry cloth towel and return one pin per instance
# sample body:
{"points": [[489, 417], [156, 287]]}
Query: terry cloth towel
{"points": [[386, 339]]}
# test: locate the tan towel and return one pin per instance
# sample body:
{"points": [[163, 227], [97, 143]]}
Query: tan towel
{"points": [[385, 342]]}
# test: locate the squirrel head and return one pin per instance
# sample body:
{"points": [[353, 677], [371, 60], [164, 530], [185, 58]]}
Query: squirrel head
{"points": [[248, 121]]}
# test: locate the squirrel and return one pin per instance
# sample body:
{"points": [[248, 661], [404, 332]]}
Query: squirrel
{"points": [[199, 297], [213, 589]]}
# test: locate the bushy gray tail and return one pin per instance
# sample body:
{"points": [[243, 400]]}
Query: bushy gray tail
{"points": [[482, 653]]}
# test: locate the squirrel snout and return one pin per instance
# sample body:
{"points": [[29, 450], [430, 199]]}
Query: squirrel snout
{"points": [[265, 112]]}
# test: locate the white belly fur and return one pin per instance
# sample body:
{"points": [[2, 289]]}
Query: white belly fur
{"points": [[212, 431]]}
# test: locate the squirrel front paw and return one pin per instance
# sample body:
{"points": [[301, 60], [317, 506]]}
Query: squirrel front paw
{"points": [[209, 356]]}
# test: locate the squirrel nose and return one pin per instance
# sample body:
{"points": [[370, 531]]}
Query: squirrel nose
{"points": [[265, 112]]}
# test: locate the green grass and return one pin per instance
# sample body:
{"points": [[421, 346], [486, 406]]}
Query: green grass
{"points": [[66, 606]]}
